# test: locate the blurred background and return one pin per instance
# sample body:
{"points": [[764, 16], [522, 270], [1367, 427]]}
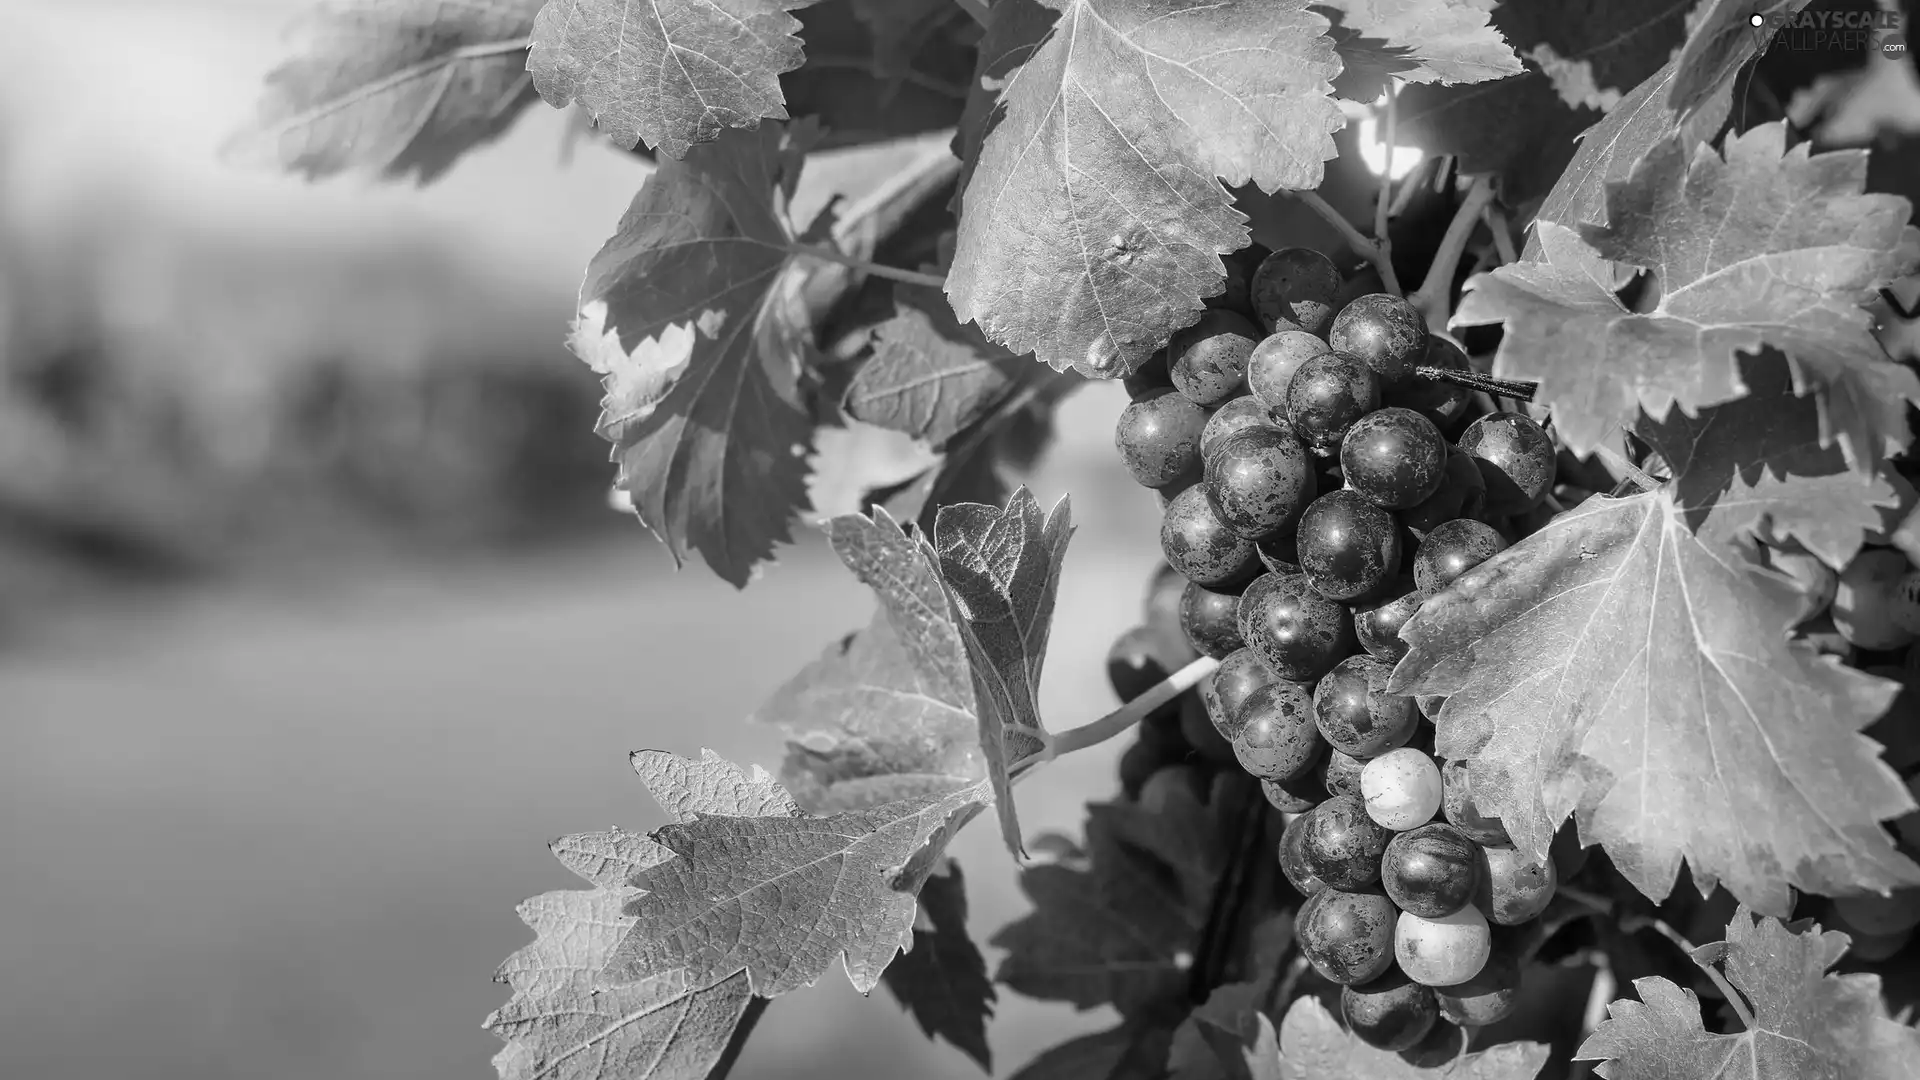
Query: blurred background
{"points": [[315, 625]]}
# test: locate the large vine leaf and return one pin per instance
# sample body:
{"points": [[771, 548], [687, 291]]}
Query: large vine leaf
{"points": [[1416, 41], [1000, 570], [1722, 40], [1615, 664], [1764, 246], [943, 979], [671, 73], [394, 88], [1094, 218], [1807, 1024], [1315, 1046]]}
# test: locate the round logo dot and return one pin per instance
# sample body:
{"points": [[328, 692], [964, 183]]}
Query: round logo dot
{"points": [[1756, 20]]}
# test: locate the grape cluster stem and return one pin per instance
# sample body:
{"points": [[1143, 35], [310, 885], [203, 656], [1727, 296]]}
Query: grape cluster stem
{"points": [[1361, 246], [1434, 297]]}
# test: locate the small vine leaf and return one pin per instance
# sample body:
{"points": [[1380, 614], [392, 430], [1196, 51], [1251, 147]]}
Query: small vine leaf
{"points": [[1226, 1038], [1093, 216], [398, 90], [1616, 664], [670, 73], [713, 785], [1315, 1046], [693, 315], [1420, 41], [1764, 246], [929, 376], [1720, 42], [1000, 570], [943, 979], [1808, 1024]]}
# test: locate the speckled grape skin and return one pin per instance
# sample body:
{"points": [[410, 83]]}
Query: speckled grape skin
{"points": [[1452, 548], [1347, 936], [1277, 739], [1458, 807], [1325, 396], [1295, 287], [1391, 1013], [1446, 951], [1462, 494], [1356, 714], [1514, 889], [1348, 546], [1343, 845], [1296, 796], [1292, 863], [1442, 402], [1235, 680], [1395, 458], [1516, 459], [1377, 625], [1208, 360], [1279, 554], [1299, 633], [1340, 774], [1386, 332], [1159, 437], [1211, 620], [1200, 546], [1431, 871], [1401, 788], [1274, 361], [1259, 481], [1236, 415], [1487, 998]]}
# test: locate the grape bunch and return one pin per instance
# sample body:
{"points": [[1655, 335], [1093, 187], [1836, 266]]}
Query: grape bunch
{"points": [[1320, 477]]}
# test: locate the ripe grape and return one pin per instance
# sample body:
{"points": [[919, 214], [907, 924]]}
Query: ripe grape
{"points": [[1138, 764], [1295, 288], [1279, 553], [1395, 458], [1173, 784], [1463, 813], [1274, 361], [1451, 549], [1277, 739], [1326, 395], [1392, 1012], [1514, 888], [1446, 951], [1208, 360], [1160, 612], [1873, 948], [1348, 937], [1348, 546], [1295, 796], [1431, 871], [1202, 733], [1293, 861], [1134, 666], [1355, 713], [1875, 914], [1341, 773], [1440, 401], [1236, 415], [1342, 845], [1150, 375], [1462, 494], [1159, 436], [1487, 998], [1906, 593], [1377, 624], [1385, 332], [1299, 633], [1863, 603], [1211, 620], [1201, 546], [1259, 481], [1401, 789], [1235, 680], [1516, 458]]}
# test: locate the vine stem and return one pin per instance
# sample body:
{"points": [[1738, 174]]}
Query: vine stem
{"points": [[1434, 297], [1614, 459], [1361, 246], [1382, 206], [1497, 223], [1635, 923], [892, 273], [1124, 717]]}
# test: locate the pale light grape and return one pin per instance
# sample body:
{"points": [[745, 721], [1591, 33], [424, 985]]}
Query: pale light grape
{"points": [[1402, 789], [1863, 602], [1515, 889], [1442, 952]]}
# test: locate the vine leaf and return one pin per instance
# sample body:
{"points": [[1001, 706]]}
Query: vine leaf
{"points": [[699, 331], [395, 89], [1226, 1038], [1766, 246], [1808, 1024], [1755, 467], [1315, 1046], [1418, 41], [1000, 570], [671, 73], [1094, 218], [929, 376], [1099, 1055], [943, 980], [1615, 664], [1618, 44], [783, 896], [1722, 40]]}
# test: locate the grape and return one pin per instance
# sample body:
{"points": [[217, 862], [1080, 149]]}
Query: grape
{"points": [[1201, 547], [1235, 680], [1274, 361], [1296, 796], [1295, 288], [1906, 593], [1279, 554], [1462, 494], [1341, 773], [1348, 937], [1208, 360], [1211, 620], [1863, 602], [1202, 733], [1259, 481], [1463, 813], [1151, 374], [1873, 948], [1487, 998], [1133, 668], [1385, 332], [1446, 951], [1355, 713], [1452, 549], [1277, 739], [1159, 436], [1432, 871], [1293, 862], [1325, 396], [1342, 845], [1401, 788], [1377, 625], [1395, 458], [1299, 633], [1241, 266], [1818, 584], [1514, 888], [1160, 611], [1138, 764], [1172, 784], [1236, 415], [1875, 914], [1392, 1012], [1162, 729], [1348, 546], [1442, 402], [1516, 458]]}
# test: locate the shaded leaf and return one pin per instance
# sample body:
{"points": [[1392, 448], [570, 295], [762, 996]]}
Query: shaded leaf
{"points": [[1098, 1056], [1226, 1038], [1721, 41], [1808, 1024], [943, 980], [1421, 41], [1315, 1046], [878, 69], [929, 376], [1615, 664]]}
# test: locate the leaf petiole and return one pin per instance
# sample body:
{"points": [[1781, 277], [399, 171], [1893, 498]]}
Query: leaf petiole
{"points": [[1434, 297], [1124, 717], [892, 273]]}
